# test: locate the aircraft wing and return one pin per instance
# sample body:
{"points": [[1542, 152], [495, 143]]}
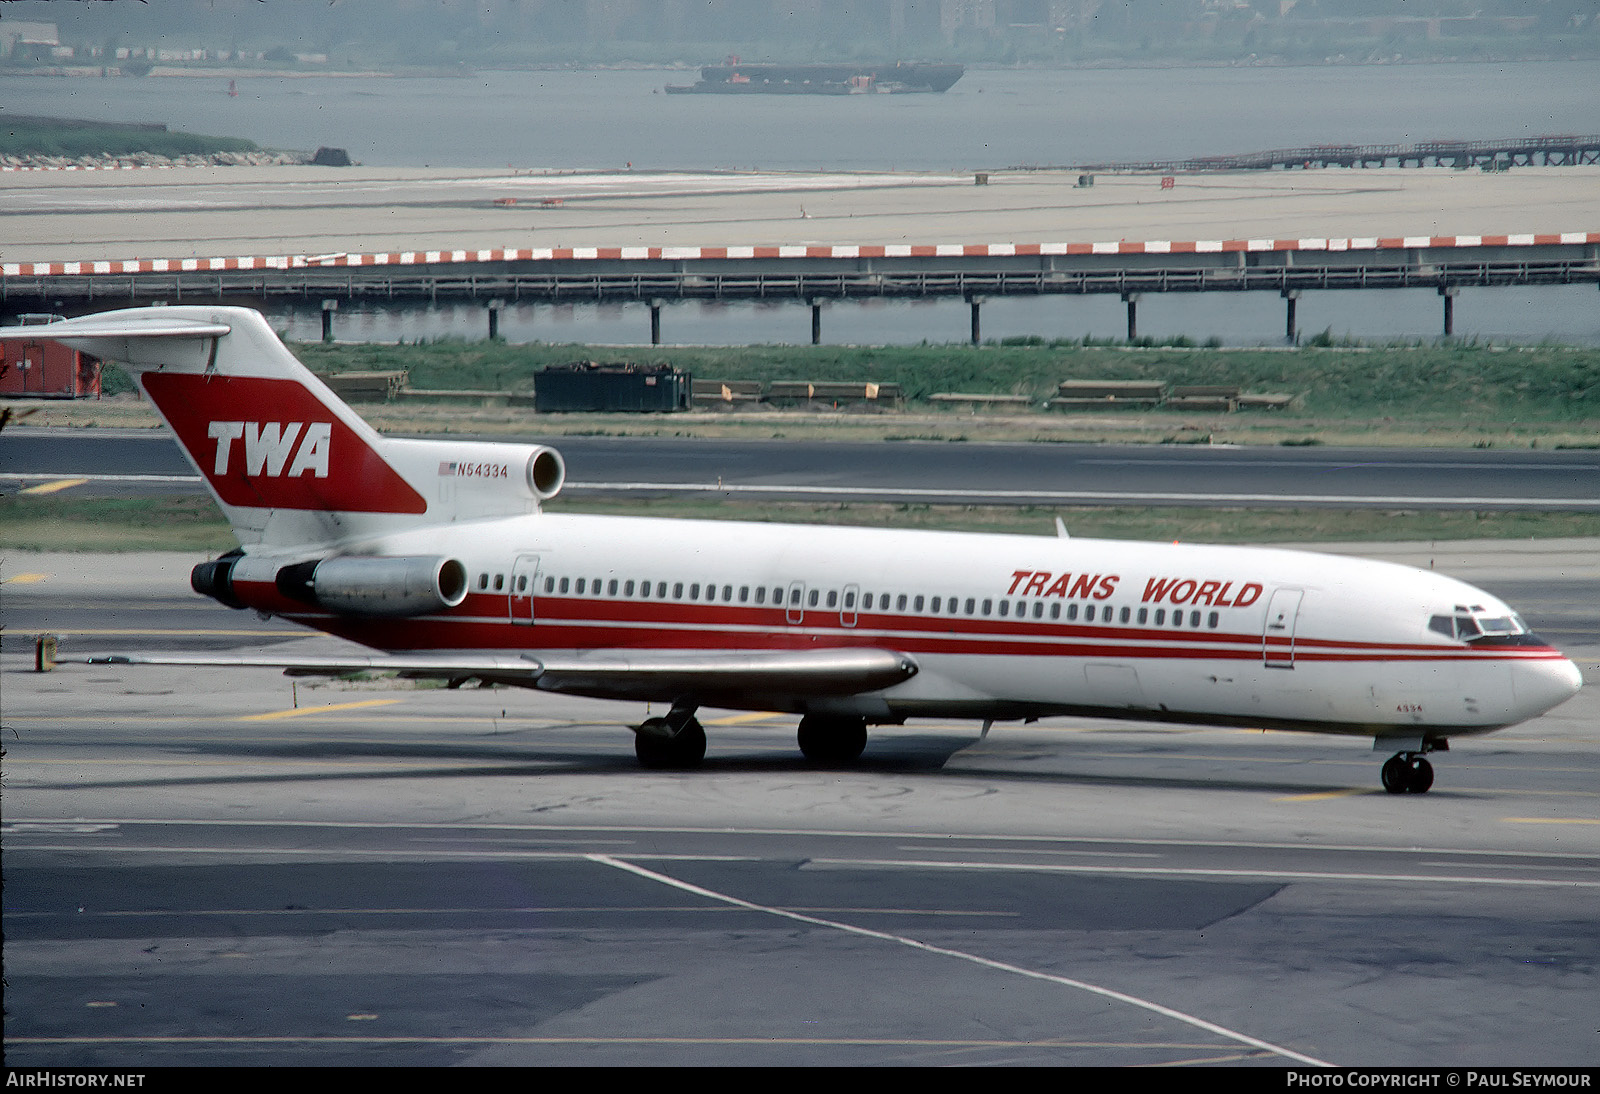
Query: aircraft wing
{"points": [[421, 666], [648, 674], [644, 674]]}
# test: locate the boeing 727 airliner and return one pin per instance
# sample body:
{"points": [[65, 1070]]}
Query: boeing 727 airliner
{"points": [[435, 555]]}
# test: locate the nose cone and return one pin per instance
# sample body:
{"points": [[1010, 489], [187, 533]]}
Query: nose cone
{"points": [[1542, 685]]}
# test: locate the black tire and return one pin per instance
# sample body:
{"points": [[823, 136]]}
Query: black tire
{"points": [[659, 749], [830, 740], [1396, 775], [1419, 775]]}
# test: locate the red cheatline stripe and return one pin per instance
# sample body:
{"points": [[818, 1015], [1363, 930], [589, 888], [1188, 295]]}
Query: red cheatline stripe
{"points": [[692, 614], [689, 614], [586, 632], [481, 636]]}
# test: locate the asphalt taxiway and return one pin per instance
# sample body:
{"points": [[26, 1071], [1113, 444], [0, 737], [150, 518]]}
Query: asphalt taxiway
{"points": [[123, 462], [233, 868]]}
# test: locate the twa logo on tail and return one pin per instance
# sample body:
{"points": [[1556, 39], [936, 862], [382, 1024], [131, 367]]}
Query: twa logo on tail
{"points": [[268, 443], [267, 446]]}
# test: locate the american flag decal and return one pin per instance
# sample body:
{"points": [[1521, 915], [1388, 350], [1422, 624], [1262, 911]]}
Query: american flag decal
{"points": [[447, 467]]}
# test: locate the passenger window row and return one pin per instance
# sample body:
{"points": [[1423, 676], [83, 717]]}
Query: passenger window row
{"points": [[833, 599]]}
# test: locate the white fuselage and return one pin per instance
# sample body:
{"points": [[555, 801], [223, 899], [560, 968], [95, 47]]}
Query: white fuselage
{"points": [[1001, 626], [439, 546]]}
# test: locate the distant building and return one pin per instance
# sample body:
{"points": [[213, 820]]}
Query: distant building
{"points": [[27, 38]]}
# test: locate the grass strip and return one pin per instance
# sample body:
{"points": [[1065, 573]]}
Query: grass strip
{"points": [[38, 136], [54, 522], [1447, 381]]}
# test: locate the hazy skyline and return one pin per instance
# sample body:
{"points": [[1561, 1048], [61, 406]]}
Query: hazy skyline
{"points": [[514, 32]]}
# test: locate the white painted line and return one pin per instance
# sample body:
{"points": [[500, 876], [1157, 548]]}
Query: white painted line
{"points": [[943, 838], [1001, 966], [1170, 871], [1083, 495], [103, 478], [1399, 500]]}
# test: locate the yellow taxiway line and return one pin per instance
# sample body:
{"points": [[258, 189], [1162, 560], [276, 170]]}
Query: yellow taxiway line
{"points": [[300, 712], [52, 486]]}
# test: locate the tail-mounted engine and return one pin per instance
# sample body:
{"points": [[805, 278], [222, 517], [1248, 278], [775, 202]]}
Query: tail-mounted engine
{"points": [[215, 579], [546, 472], [474, 480], [375, 585], [353, 584]]}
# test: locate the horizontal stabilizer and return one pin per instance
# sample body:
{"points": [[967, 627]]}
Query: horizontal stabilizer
{"points": [[144, 338], [123, 324]]}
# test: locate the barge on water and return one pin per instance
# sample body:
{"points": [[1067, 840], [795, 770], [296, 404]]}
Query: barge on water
{"points": [[901, 77]]}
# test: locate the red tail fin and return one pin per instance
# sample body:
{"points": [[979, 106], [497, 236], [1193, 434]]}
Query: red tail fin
{"points": [[289, 462], [273, 443]]}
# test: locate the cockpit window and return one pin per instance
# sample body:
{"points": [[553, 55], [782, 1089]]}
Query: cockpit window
{"points": [[1469, 625]]}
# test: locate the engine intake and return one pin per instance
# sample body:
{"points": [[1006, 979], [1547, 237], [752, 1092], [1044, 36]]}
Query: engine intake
{"points": [[376, 585], [546, 473]]}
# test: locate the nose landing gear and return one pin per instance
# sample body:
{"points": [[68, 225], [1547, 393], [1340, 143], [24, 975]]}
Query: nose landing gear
{"points": [[1407, 773]]}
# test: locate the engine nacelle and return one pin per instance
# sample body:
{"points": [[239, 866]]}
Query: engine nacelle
{"points": [[376, 585], [546, 472], [474, 480], [215, 579]]}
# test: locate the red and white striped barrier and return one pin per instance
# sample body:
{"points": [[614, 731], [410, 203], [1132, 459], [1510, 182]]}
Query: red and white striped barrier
{"points": [[938, 250], [99, 166]]}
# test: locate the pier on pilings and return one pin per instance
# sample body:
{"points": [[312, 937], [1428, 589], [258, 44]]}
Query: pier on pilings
{"points": [[1490, 155], [811, 275]]}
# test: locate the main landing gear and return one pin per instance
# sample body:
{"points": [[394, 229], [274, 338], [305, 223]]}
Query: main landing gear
{"points": [[674, 743], [1407, 773], [677, 742], [832, 740]]}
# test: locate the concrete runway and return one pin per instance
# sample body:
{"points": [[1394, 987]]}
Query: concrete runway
{"points": [[141, 462], [234, 211], [242, 869]]}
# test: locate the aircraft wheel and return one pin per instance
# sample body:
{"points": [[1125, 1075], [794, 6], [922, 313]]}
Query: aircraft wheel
{"points": [[831, 739], [1394, 774], [1419, 775], [1407, 773], [661, 748]]}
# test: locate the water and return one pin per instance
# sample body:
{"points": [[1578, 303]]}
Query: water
{"points": [[991, 119], [1566, 314]]}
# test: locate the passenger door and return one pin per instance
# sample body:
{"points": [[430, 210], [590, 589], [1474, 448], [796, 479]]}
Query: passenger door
{"points": [[524, 583], [1277, 635]]}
